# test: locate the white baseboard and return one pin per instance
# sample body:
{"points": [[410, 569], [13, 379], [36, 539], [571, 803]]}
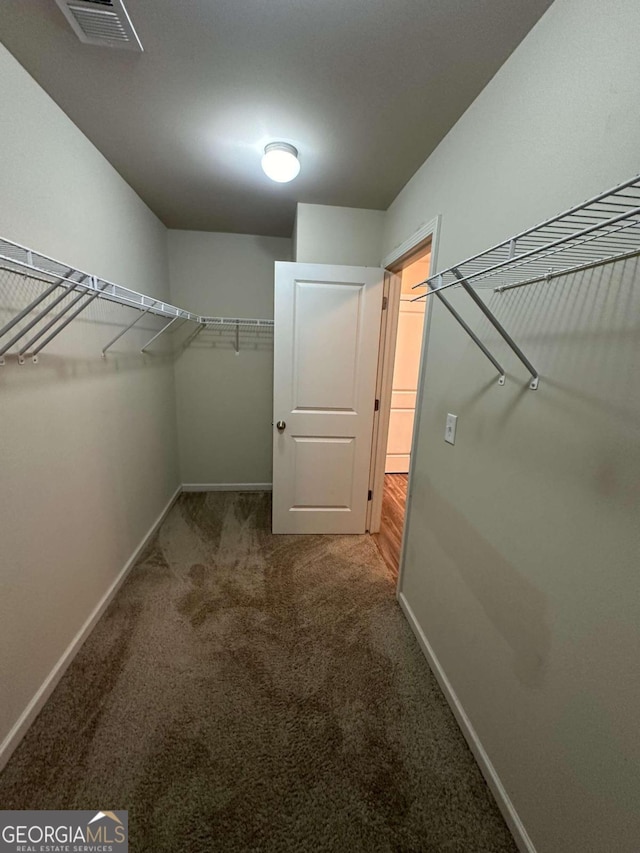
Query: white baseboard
{"points": [[226, 487], [34, 707], [505, 805]]}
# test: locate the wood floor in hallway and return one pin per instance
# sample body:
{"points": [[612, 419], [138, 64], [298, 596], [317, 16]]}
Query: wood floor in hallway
{"points": [[394, 500]]}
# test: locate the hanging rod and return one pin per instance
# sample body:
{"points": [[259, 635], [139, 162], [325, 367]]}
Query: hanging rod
{"points": [[602, 230], [549, 276], [237, 321], [85, 288], [236, 324]]}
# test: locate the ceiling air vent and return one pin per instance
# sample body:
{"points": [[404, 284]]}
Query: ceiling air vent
{"points": [[104, 22]]}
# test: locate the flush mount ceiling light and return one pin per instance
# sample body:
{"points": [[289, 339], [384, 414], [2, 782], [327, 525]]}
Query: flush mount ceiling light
{"points": [[280, 162]]}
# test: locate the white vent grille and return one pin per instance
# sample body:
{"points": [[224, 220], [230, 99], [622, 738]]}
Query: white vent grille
{"points": [[103, 22]]}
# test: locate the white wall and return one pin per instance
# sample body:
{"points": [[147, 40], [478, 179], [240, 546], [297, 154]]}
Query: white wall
{"points": [[225, 401], [338, 235], [524, 543], [406, 366], [88, 457]]}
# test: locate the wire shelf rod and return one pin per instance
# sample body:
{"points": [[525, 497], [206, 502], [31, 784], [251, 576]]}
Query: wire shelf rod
{"points": [[529, 254], [546, 275], [22, 261], [119, 293], [31, 268], [541, 256], [574, 210], [567, 255], [602, 210], [553, 274], [570, 259], [602, 230], [623, 237], [593, 233], [232, 321], [31, 275], [105, 289], [548, 233]]}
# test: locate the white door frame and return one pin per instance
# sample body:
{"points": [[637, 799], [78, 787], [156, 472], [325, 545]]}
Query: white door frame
{"points": [[428, 232], [384, 387]]}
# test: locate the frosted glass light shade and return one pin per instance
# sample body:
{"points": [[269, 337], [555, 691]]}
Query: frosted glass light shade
{"points": [[280, 162]]}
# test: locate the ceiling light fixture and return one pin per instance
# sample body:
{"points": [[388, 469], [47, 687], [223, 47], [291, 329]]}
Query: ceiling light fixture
{"points": [[280, 162]]}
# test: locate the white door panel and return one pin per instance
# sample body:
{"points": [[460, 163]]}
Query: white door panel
{"points": [[326, 345], [327, 328], [322, 471]]}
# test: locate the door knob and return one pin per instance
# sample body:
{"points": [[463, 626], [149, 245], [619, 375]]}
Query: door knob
{"points": [[281, 426]]}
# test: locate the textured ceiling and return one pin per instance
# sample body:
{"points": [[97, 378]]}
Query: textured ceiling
{"points": [[365, 89]]}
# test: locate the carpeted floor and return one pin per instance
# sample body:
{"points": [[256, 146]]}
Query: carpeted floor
{"points": [[250, 692]]}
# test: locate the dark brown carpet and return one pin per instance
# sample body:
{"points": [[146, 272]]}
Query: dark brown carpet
{"points": [[250, 692]]}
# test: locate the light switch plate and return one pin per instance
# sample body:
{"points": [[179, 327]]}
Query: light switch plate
{"points": [[450, 429]]}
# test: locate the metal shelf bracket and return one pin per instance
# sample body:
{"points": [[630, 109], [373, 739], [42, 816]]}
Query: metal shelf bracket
{"points": [[126, 329], [473, 336], [534, 382], [157, 334]]}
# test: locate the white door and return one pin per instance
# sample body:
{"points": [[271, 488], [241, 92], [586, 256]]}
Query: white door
{"points": [[327, 331]]}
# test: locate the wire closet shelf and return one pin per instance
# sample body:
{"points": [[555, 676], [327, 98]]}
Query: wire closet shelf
{"points": [[64, 281], [599, 231]]}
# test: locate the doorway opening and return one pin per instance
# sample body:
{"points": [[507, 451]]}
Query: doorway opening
{"points": [[398, 378]]}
